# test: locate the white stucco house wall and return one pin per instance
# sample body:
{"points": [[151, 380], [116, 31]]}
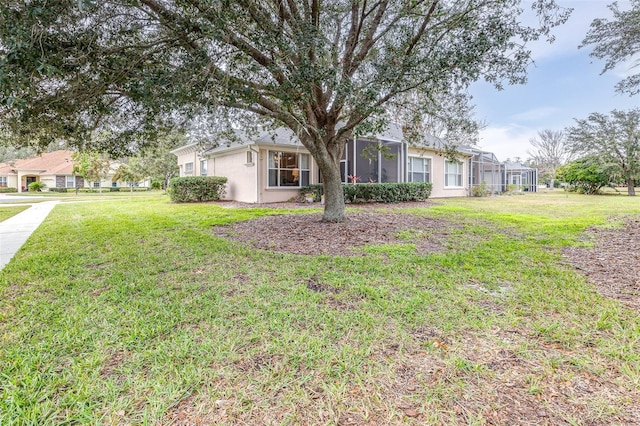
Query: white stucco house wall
{"points": [[271, 167]]}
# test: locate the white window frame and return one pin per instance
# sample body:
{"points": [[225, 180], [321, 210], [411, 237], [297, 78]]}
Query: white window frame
{"points": [[203, 167], [299, 168], [458, 176], [427, 173], [96, 184], [69, 179], [188, 168], [4, 181]]}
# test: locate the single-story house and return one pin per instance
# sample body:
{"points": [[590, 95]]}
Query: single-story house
{"points": [[273, 166], [54, 169], [522, 177], [497, 177]]}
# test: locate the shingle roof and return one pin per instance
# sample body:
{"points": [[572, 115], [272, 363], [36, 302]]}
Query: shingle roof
{"points": [[49, 163]]}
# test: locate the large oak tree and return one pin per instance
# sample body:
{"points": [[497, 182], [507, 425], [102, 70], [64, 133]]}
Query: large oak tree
{"points": [[323, 68], [613, 138], [617, 40]]}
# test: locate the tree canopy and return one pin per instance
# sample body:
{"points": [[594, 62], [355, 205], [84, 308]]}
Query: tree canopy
{"points": [[587, 175], [91, 165], [326, 69], [617, 40], [613, 138]]}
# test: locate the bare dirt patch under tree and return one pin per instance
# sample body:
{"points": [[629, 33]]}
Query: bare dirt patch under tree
{"points": [[612, 265], [306, 234]]}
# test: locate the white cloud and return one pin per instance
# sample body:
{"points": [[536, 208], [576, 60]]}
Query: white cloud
{"points": [[508, 141], [570, 35]]}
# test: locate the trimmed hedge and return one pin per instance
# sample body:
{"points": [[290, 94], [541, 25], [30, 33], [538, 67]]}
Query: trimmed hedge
{"points": [[7, 190], [377, 192], [197, 188]]}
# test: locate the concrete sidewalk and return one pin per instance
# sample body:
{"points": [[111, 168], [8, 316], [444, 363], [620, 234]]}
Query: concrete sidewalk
{"points": [[16, 230]]}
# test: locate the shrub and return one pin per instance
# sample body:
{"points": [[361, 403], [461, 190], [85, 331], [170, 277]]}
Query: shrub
{"points": [[197, 188], [58, 189], [512, 188], [585, 175], [378, 192], [156, 184], [36, 186], [480, 190], [6, 190]]}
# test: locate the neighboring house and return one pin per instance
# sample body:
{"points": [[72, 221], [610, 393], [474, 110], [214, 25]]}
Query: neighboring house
{"points": [[486, 169], [522, 177], [54, 169], [497, 177], [273, 166]]}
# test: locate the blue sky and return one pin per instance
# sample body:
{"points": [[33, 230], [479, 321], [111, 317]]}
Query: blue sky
{"points": [[563, 84]]}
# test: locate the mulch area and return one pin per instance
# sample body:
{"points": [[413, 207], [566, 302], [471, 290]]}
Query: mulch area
{"points": [[306, 234], [613, 263]]}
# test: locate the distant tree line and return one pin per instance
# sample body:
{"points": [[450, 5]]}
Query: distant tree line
{"points": [[599, 150], [602, 149]]}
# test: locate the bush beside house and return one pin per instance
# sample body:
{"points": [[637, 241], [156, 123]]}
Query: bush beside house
{"points": [[376, 192], [197, 188], [36, 187]]}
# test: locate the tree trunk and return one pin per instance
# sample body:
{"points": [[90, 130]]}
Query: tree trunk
{"points": [[333, 193], [329, 163], [631, 190], [553, 184]]}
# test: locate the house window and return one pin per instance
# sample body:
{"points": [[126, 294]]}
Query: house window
{"points": [[96, 184], [249, 157], [203, 167], [188, 168], [3, 181], [70, 182], [288, 169], [419, 169], [452, 174]]}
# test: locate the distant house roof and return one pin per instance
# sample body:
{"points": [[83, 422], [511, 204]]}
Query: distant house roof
{"points": [[484, 156], [48, 163]]}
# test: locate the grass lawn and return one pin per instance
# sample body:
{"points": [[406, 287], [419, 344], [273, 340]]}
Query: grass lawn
{"points": [[7, 212], [133, 311]]}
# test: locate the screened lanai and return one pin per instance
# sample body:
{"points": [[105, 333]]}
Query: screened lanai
{"points": [[373, 161], [484, 168]]}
